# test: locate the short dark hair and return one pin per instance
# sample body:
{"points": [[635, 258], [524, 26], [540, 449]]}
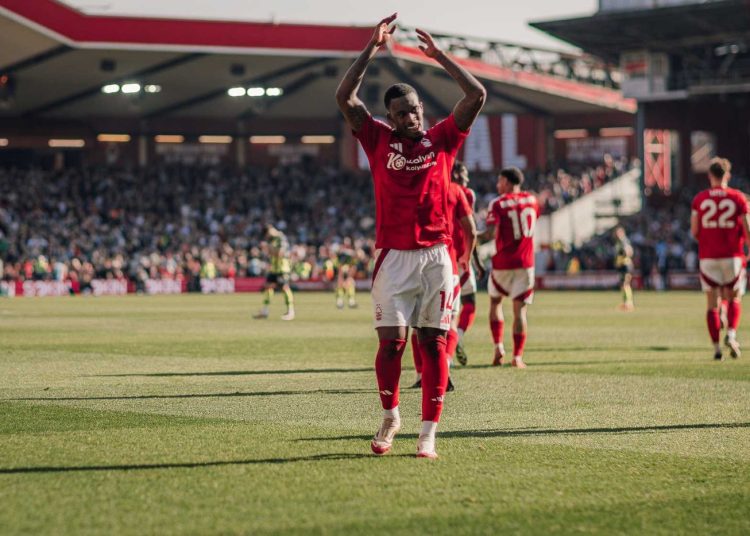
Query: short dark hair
{"points": [[513, 174], [459, 166], [397, 91], [718, 167]]}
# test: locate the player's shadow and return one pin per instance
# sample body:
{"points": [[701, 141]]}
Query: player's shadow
{"points": [[532, 364], [199, 395], [235, 373], [182, 465], [527, 432]]}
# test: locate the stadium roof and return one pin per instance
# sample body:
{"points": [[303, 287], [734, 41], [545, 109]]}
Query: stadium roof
{"points": [[59, 59], [665, 29]]}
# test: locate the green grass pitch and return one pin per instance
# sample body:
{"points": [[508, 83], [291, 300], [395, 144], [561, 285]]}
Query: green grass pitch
{"points": [[181, 415]]}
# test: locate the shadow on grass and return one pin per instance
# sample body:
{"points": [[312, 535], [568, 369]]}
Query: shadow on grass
{"points": [[184, 465], [235, 373], [199, 395], [532, 363], [543, 432]]}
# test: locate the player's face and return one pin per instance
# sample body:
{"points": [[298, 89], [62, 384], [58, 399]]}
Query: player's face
{"points": [[503, 185], [406, 115], [461, 176]]}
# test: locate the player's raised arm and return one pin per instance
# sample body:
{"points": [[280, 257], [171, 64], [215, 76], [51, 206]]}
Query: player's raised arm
{"points": [[351, 106], [467, 109]]}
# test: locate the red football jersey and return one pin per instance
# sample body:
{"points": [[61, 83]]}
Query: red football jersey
{"points": [[411, 180], [471, 197], [720, 212], [515, 216], [458, 208]]}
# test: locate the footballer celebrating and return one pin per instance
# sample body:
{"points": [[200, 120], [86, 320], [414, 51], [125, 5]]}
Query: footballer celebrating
{"points": [[412, 279], [514, 216], [719, 222]]}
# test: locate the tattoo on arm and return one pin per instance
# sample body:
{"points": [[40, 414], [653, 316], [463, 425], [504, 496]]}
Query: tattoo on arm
{"points": [[351, 106], [467, 109]]}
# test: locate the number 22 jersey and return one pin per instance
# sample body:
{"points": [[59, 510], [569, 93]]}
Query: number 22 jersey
{"points": [[720, 212], [515, 216]]}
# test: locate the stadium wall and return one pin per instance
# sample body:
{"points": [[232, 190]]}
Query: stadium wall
{"points": [[605, 280]]}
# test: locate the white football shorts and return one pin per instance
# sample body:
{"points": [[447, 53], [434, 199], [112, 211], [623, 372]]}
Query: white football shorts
{"points": [[468, 281], [413, 288], [517, 284], [729, 272]]}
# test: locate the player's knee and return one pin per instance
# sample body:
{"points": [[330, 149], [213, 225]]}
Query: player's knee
{"points": [[432, 342], [392, 348], [469, 298]]}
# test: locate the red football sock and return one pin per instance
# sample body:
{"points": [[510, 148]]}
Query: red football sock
{"points": [[388, 370], [451, 342], [496, 328], [434, 377], [734, 311], [466, 319], [714, 324], [519, 341], [416, 352]]}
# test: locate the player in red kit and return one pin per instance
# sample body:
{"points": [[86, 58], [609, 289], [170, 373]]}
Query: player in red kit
{"points": [[514, 215], [720, 223], [412, 279], [463, 236], [467, 277]]}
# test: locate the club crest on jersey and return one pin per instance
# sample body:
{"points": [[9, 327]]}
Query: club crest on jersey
{"points": [[398, 146], [427, 143]]}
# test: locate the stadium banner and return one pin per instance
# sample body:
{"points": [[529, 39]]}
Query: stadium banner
{"points": [[684, 281], [312, 284], [165, 286], [220, 285], [249, 284], [109, 287], [33, 289], [7, 289], [583, 281]]}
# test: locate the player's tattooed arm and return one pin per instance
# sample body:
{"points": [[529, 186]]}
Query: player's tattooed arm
{"points": [[467, 109], [351, 106]]}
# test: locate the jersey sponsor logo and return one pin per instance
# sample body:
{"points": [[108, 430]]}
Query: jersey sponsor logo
{"points": [[399, 162], [398, 146], [396, 161]]}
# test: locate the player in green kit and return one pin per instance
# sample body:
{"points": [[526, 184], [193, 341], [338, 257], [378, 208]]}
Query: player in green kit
{"points": [[624, 265], [345, 285], [278, 273]]}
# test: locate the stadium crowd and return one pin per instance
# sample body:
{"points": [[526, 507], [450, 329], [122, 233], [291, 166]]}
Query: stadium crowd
{"points": [[660, 235], [174, 222], [177, 221]]}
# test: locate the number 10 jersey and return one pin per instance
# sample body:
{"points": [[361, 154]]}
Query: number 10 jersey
{"points": [[720, 212], [515, 216]]}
